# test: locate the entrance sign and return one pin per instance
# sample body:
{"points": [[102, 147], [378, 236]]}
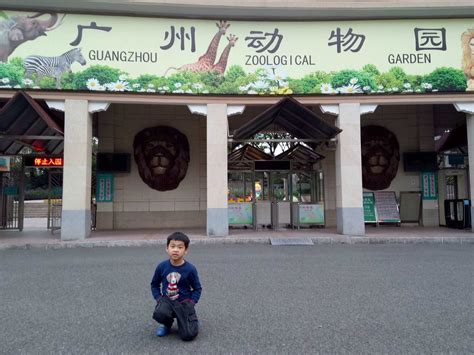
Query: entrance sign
{"points": [[105, 187], [370, 215], [240, 213], [387, 207], [429, 185], [189, 56]]}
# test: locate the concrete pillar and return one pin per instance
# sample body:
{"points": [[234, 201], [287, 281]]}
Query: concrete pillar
{"points": [[349, 207], [216, 136], [76, 210], [470, 150]]}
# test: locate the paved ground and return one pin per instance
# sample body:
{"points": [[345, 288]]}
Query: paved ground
{"points": [[35, 235], [384, 298]]}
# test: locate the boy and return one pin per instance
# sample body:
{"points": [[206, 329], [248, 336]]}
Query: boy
{"points": [[176, 288]]}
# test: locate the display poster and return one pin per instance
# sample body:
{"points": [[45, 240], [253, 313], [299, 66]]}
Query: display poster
{"points": [[429, 185], [159, 56], [240, 213], [369, 208], [387, 207], [105, 187], [4, 164], [311, 213]]}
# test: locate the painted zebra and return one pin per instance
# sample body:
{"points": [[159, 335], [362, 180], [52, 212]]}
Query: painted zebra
{"points": [[52, 66]]}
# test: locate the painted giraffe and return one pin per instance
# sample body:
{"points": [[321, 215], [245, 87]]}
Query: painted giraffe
{"points": [[206, 61], [221, 65]]}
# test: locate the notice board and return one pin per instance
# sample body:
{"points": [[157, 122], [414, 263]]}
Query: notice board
{"points": [[387, 207], [370, 215]]}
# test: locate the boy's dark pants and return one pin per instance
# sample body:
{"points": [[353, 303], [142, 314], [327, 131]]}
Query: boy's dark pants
{"points": [[166, 310]]}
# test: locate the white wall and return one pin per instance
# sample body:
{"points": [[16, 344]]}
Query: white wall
{"points": [[136, 205]]}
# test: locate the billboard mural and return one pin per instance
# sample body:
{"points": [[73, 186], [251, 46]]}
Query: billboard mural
{"points": [[186, 56]]}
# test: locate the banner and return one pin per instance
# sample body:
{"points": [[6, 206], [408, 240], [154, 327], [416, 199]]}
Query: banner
{"points": [[199, 57]]}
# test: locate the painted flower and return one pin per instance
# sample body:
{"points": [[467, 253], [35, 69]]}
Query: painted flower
{"points": [[92, 84], [166, 88], [252, 92], [367, 88], [198, 86], [205, 91], [189, 91], [260, 85], [350, 89], [17, 86], [136, 85], [244, 87], [277, 75], [36, 87], [326, 88], [118, 86], [5, 80], [177, 85], [27, 82], [426, 86], [150, 85], [150, 90], [100, 88], [178, 91], [123, 77], [380, 87], [353, 81], [5, 86], [395, 89], [142, 90], [407, 85], [418, 90]]}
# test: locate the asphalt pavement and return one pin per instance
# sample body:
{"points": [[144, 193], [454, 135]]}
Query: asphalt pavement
{"points": [[257, 298]]}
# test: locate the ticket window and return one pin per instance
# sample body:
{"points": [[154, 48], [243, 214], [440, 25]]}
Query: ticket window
{"points": [[280, 187], [262, 183]]}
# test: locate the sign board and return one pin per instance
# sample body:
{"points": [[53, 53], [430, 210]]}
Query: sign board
{"points": [[370, 215], [240, 213], [44, 162], [429, 185], [4, 164], [311, 213], [410, 206], [387, 207], [157, 56], [105, 187]]}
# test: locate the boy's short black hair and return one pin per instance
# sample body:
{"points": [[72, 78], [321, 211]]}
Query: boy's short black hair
{"points": [[178, 236]]}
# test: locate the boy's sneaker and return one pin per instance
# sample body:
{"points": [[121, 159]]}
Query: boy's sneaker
{"points": [[162, 330]]}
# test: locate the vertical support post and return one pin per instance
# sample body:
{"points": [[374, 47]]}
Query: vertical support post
{"points": [[76, 209], [470, 150], [21, 197], [349, 208], [216, 137]]}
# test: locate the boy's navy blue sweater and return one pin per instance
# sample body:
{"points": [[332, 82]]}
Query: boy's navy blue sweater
{"points": [[176, 282]]}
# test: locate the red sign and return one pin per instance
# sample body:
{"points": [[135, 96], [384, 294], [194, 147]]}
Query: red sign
{"points": [[48, 162]]}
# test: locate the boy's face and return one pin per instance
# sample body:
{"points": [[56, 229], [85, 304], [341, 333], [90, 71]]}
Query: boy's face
{"points": [[176, 251]]}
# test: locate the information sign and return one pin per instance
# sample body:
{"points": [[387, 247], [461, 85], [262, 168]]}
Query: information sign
{"points": [[387, 207], [370, 215], [429, 186], [311, 213], [240, 213], [105, 187]]}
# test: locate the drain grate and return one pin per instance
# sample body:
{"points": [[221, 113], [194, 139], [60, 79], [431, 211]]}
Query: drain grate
{"points": [[291, 241]]}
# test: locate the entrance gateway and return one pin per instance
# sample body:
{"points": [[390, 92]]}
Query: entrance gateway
{"points": [[285, 190]]}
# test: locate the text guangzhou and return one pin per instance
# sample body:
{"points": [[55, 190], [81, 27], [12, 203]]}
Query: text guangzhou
{"points": [[123, 56]]}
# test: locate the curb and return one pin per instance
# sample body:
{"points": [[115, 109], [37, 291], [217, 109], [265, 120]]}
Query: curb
{"points": [[349, 240]]}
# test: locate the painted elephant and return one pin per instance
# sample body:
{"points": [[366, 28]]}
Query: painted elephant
{"points": [[19, 29]]}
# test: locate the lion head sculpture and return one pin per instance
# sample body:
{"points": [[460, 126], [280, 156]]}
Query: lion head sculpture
{"points": [[162, 157], [467, 42], [380, 157]]}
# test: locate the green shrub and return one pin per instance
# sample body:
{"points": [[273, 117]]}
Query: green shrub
{"points": [[371, 69], [389, 81], [447, 79], [47, 83], [102, 73], [11, 73], [67, 81], [344, 77], [211, 79], [310, 83], [398, 73], [234, 73]]}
